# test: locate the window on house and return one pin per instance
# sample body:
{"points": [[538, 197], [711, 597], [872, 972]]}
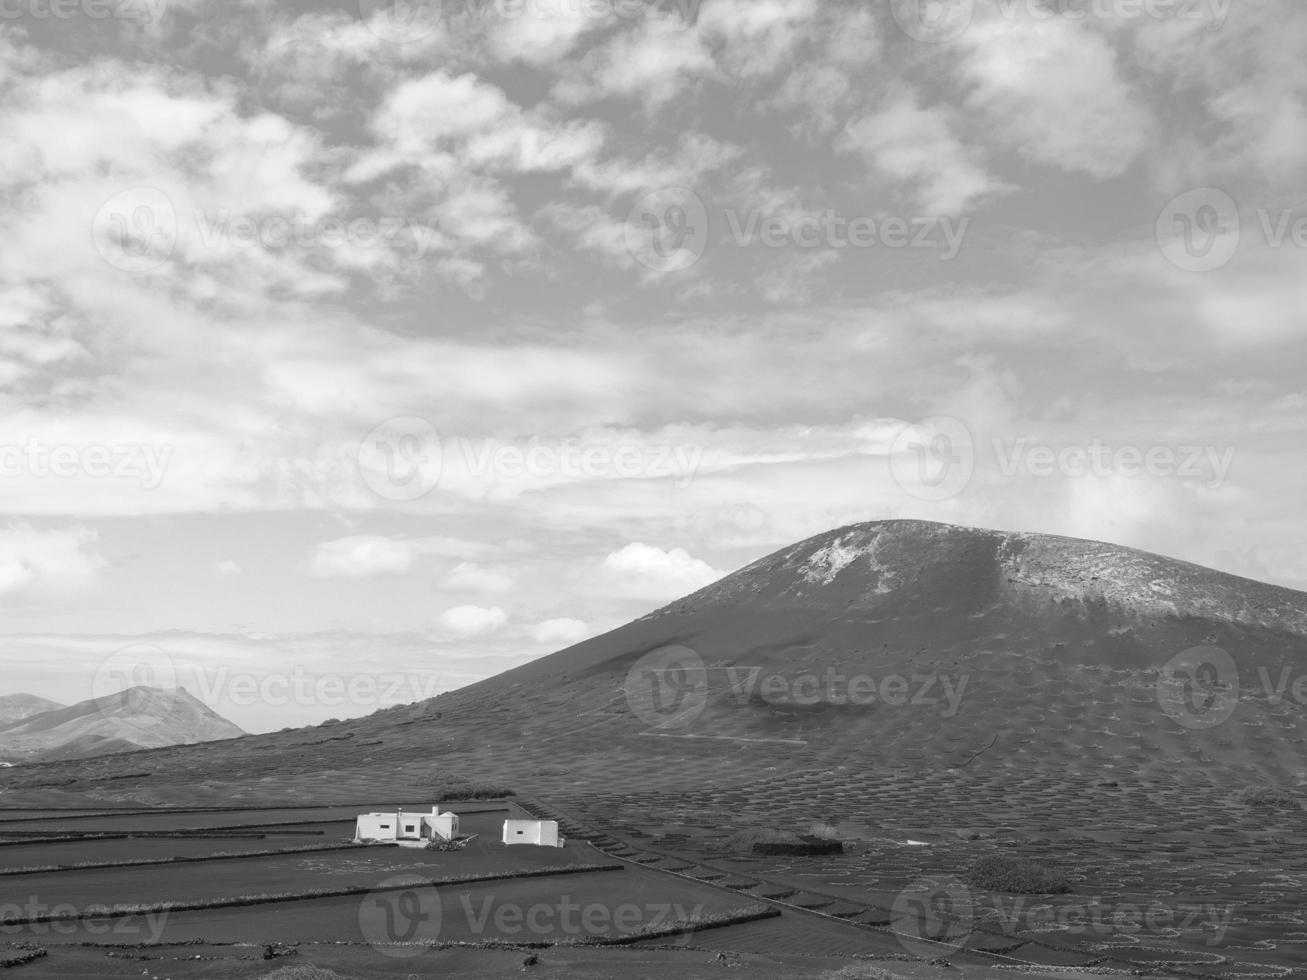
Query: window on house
{"points": [[383, 826], [409, 828]]}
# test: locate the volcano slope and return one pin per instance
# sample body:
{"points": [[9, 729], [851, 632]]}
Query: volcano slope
{"points": [[887, 646]]}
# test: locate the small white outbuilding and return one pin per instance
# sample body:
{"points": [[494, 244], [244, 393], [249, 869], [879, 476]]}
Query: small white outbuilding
{"points": [[405, 825], [541, 832]]}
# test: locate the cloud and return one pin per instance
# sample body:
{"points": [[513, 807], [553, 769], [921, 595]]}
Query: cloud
{"points": [[474, 620], [56, 560], [560, 632], [226, 567], [545, 31], [1050, 88], [647, 571], [367, 554], [904, 141], [653, 62]]}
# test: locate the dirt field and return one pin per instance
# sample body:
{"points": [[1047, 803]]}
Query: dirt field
{"points": [[1158, 873]]}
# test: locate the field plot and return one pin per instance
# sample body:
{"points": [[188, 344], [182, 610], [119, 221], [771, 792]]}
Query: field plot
{"points": [[532, 910], [44, 855], [390, 910], [162, 820], [226, 878], [1164, 876]]}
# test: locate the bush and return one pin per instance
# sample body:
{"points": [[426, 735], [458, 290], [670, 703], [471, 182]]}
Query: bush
{"points": [[823, 830], [465, 789], [1265, 796], [1017, 876], [303, 971], [859, 971], [804, 845], [743, 841]]}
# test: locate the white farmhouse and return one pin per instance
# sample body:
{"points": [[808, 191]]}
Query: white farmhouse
{"points": [[542, 832], [403, 825]]}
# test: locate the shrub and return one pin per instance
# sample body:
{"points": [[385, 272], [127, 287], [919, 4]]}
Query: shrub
{"points": [[1268, 797], [302, 971], [859, 971], [742, 841], [1016, 875], [465, 789], [804, 845], [823, 830]]}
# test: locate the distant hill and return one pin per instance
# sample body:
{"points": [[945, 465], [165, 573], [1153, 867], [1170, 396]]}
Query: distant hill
{"points": [[137, 718], [15, 707], [985, 651]]}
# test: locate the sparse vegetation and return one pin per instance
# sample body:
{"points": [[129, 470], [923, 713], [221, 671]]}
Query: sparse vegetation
{"points": [[823, 830], [302, 971], [27, 955], [466, 789], [1017, 876], [1266, 796], [765, 840], [858, 971], [742, 841]]}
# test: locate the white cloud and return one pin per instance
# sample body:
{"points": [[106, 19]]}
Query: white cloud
{"points": [[759, 37], [546, 30], [561, 632], [368, 554], [652, 61], [910, 143], [226, 567], [647, 571], [54, 560], [1050, 87], [474, 620]]}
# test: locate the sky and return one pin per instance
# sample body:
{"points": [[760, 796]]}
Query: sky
{"points": [[350, 353]]}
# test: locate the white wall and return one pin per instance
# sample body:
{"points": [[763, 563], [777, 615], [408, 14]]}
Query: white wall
{"points": [[541, 832]]}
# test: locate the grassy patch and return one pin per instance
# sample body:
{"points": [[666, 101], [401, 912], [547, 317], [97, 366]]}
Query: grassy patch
{"points": [[1017, 876]]}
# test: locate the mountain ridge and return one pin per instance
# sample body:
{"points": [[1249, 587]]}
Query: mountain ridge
{"points": [[1060, 654], [15, 707], [125, 721]]}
